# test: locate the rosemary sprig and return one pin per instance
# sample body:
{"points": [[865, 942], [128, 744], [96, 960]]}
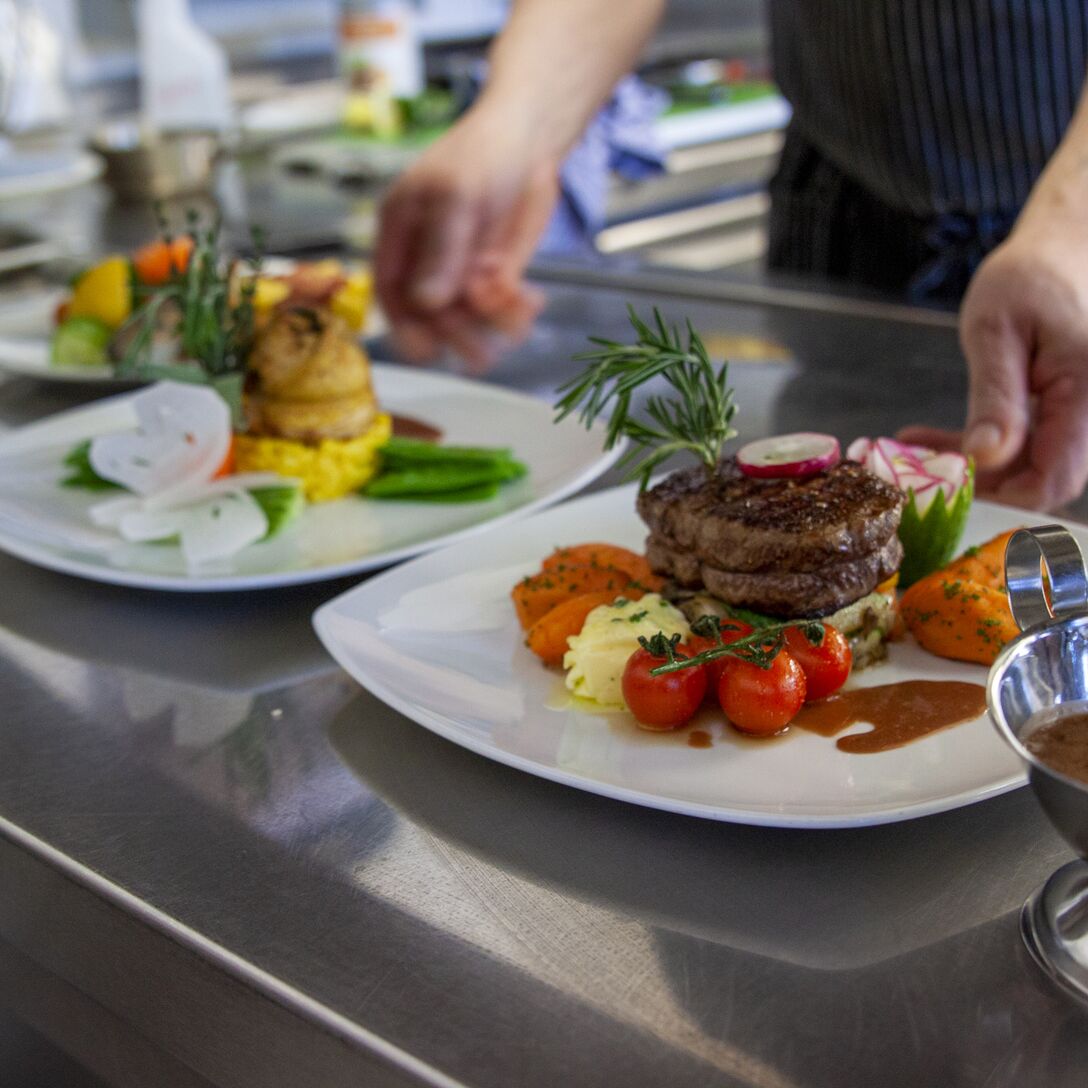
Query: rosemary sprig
{"points": [[215, 320], [699, 419], [759, 648]]}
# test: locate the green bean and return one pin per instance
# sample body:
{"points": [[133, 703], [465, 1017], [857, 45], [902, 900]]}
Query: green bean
{"points": [[425, 481], [409, 450]]}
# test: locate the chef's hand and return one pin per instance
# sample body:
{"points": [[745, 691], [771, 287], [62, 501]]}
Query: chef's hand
{"points": [[456, 232], [1024, 332]]}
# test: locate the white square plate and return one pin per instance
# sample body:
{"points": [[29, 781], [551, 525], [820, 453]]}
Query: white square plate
{"points": [[437, 639]]}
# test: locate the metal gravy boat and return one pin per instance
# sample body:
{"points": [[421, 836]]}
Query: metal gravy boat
{"points": [[1046, 670]]}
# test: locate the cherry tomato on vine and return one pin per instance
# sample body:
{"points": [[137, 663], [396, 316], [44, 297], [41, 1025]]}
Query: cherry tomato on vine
{"points": [[826, 666], [762, 701], [662, 702], [731, 631]]}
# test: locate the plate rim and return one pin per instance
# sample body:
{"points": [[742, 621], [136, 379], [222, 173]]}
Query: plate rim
{"points": [[322, 620], [26, 551]]}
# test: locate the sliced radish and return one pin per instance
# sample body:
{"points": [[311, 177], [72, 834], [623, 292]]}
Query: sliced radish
{"points": [[182, 436], [859, 450], [789, 455], [216, 527], [912, 468], [238, 481]]}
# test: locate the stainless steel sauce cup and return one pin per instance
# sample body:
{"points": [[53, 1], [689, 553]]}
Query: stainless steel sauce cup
{"points": [[1045, 670]]}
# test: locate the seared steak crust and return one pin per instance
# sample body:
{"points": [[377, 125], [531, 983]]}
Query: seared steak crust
{"points": [[784, 547], [739, 523], [790, 593]]}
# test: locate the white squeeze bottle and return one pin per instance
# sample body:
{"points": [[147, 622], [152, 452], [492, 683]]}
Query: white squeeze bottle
{"points": [[184, 75], [381, 60]]}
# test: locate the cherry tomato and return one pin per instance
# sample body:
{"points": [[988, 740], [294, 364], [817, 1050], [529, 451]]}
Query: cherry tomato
{"points": [[825, 666], [662, 702], [731, 631], [762, 701]]}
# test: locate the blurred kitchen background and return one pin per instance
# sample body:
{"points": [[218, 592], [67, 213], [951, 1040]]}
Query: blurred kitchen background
{"points": [[670, 179]]}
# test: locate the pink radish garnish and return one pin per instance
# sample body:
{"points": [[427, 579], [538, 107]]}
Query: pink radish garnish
{"points": [[916, 469], [789, 455]]}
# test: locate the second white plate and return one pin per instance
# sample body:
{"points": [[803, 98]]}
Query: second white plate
{"points": [[47, 524]]}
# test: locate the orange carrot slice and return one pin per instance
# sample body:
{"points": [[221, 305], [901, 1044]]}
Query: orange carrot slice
{"points": [[605, 555], [535, 596], [548, 636]]}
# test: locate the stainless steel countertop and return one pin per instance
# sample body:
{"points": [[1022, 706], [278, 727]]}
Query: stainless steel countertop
{"points": [[223, 861]]}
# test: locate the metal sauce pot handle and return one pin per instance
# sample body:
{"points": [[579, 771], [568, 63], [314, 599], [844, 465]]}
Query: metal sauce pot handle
{"points": [[1052, 547]]}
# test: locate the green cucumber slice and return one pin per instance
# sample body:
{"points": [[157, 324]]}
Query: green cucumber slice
{"points": [[931, 539]]}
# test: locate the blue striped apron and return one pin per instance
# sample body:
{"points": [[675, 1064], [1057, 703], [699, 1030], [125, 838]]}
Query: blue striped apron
{"points": [[919, 127]]}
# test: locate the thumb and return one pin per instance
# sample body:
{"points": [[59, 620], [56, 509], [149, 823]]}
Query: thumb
{"points": [[998, 407]]}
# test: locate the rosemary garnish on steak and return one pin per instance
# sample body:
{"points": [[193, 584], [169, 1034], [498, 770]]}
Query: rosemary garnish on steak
{"points": [[698, 419]]}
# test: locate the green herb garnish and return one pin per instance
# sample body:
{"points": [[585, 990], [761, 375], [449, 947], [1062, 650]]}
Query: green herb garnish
{"points": [[213, 308], [699, 419], [760, 648], [82, 475]]}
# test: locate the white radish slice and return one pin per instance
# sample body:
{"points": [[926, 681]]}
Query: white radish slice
{"points": [[182, 437], [789, 455], [238, 481], [214, 528], [948, 467], [859, 450], [900, 456], [108, 513]]}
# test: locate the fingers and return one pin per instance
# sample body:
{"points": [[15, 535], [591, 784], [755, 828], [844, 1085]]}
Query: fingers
{"points": [[507, 244], [446, 237], [998, 354], [448, 270], [392, 255], [1055, 468], [473, 340], [409, 253]]}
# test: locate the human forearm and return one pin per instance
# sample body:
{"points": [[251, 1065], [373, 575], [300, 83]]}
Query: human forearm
{"points": [[556, 61], [1060, 196], [1024, 331]]}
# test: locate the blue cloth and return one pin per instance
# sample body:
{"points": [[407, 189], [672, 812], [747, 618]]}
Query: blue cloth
{"points": [[620, 139], [960, 244]]}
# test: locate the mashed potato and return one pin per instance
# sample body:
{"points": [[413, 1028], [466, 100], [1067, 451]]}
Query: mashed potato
{"points": [[610, 634]]}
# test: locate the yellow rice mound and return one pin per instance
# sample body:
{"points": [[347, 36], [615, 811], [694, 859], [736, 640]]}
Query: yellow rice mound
{"points": [[329, 469]]}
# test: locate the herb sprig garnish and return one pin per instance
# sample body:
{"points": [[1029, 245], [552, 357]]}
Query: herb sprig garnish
{"points": [[699, 419], [760, 648], [215, 318]]}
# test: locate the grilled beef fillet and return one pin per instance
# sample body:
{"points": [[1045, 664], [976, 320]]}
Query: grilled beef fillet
{"points": [[785, 547]]}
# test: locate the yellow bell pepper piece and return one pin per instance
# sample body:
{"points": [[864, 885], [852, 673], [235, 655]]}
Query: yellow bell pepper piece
{"points": [[268, 292], [104, 291], [352, 300]]}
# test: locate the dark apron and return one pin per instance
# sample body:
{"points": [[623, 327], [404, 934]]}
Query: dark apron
{"points": [[919, 128]]}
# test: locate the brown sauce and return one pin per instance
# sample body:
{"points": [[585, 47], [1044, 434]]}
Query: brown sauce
{"points": [[899, 713], [1062, 744], [699, 738], [407, 427]]}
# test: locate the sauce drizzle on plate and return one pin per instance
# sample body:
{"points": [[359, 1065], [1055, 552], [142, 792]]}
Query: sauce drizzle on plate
{"points": [[408, 427], [899, 713]]}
